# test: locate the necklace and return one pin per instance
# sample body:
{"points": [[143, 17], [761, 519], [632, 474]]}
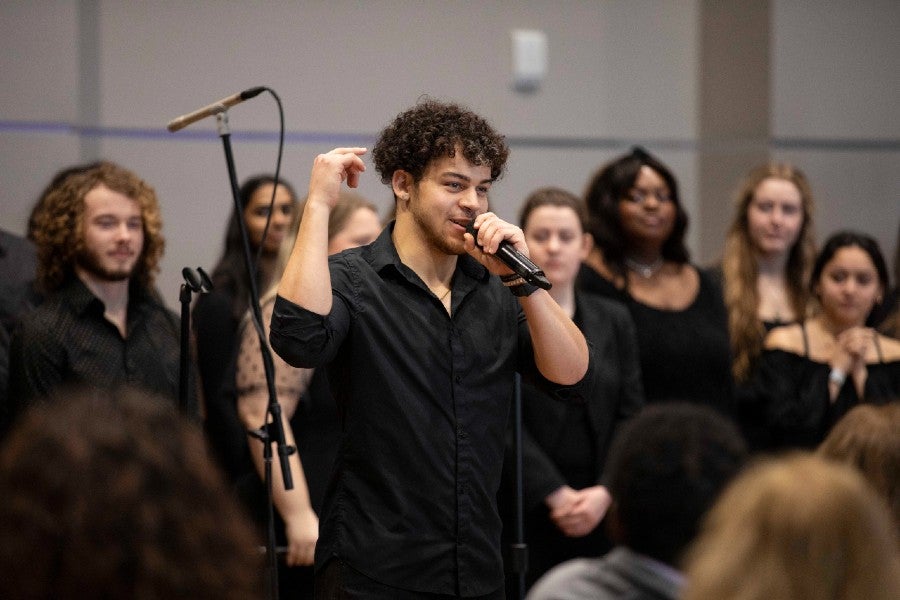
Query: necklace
{"points": [[442, 296], [645, 270]]}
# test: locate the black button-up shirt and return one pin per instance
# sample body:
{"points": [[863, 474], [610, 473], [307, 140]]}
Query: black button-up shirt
{"points": [[67, 340], [425, 397]]}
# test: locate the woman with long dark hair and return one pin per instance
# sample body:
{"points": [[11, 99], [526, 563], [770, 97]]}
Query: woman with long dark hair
{"points": [[814, 372], [216, 315], [640, 258]]}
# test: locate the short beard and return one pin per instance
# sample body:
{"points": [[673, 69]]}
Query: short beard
{"points": [[88, 261], [433, 238]]}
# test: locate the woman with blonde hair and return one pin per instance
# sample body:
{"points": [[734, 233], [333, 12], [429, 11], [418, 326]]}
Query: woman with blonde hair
{"points": [[868, 438], [795, 528], [769, 251]]}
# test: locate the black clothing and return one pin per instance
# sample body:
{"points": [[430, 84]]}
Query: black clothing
{"points": [[216, 333], [685, 354], [215, 328], [317, 432], [793, 393], [339, 581], [749, 416], [425, 397], [567, 443], [18, 297], [67, 340], [18, 259]]}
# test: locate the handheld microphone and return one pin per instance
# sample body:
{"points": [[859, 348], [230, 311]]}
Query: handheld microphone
{"points": [[213, 109], [518, 262]]}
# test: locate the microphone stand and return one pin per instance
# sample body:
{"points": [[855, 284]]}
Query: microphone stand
{"points": [[273, 429], [518, 548], [192, 283]]}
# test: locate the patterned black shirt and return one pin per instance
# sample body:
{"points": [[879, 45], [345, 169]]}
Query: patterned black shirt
{"points": [[68, 341]]}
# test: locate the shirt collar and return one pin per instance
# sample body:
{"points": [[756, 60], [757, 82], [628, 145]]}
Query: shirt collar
{"points": [[77, 295], [382, 254]]}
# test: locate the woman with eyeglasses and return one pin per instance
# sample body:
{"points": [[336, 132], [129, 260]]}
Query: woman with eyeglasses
{"points": [[640, 258]]}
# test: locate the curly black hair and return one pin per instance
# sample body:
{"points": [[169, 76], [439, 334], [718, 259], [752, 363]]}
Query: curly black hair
{"points": [[665, 469], [609, 185], [432, 129]]}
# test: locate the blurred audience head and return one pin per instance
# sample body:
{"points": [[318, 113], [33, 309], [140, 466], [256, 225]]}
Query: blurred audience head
{"points": [[353, 222], [868, 438], [796, 527], [112, 495], [665, 469]]}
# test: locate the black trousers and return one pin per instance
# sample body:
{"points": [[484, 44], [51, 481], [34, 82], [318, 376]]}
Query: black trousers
{"points": [[339, 581]]}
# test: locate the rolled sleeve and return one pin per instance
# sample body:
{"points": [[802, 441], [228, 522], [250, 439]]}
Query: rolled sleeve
{"points": [[305, 339], [583, 389]]}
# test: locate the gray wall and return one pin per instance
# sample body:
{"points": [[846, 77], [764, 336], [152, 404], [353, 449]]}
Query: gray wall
{"points": [[88, 79]]}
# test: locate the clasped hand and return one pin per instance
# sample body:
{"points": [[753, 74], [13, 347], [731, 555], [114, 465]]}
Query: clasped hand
{"points": [[852, 346], [491, 230]]}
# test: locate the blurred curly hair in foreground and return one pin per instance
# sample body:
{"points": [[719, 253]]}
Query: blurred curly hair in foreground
{"points": [[113, 495]]}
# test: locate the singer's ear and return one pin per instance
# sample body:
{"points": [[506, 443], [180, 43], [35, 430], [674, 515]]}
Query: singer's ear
{"points": [[402, 183]]}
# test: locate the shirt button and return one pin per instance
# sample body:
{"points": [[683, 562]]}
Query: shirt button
{"points": [[458, 379]]}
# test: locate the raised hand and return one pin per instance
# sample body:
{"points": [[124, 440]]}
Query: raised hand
{"points": [[332, 169]]}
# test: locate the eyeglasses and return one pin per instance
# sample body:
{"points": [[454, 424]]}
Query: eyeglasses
{"points": [[639, 196]]}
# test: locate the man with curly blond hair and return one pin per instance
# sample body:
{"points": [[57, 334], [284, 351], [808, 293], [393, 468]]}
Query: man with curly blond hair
{"points": [[99, 243], [421, 339]]}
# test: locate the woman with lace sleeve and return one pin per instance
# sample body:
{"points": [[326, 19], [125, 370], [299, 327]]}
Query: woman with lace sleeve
{"points": [[353, 223]]}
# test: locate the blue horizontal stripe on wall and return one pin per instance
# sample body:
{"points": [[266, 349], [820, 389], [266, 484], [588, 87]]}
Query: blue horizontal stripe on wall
{"points": [[364, 139]]}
